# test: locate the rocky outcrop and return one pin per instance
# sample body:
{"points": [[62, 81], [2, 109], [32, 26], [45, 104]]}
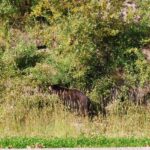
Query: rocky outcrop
{"points": [[146, 52]]}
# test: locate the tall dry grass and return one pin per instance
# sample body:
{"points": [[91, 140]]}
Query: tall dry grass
{"points": [[26, 111]]}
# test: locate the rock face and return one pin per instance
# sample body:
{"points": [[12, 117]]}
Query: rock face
{"points": [[146, 52], [140, 95], [130, 7], [26, 38], [137, 95]]}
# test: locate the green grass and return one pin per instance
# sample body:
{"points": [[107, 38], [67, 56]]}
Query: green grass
{"points": [[23, 142]]}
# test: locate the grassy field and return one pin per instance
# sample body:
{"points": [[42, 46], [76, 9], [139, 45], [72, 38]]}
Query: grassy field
{"points": [[64, 124], [23, 142], [54, 126]]}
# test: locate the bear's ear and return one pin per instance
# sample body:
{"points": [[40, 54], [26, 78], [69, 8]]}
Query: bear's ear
{"points": [[50, 88]]}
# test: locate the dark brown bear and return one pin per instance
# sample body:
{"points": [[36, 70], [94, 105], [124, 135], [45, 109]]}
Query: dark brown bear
{"points": [[75, 100]]}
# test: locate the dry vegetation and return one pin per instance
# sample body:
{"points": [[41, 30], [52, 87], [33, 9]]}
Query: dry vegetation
{"points": [[28, 112]]}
